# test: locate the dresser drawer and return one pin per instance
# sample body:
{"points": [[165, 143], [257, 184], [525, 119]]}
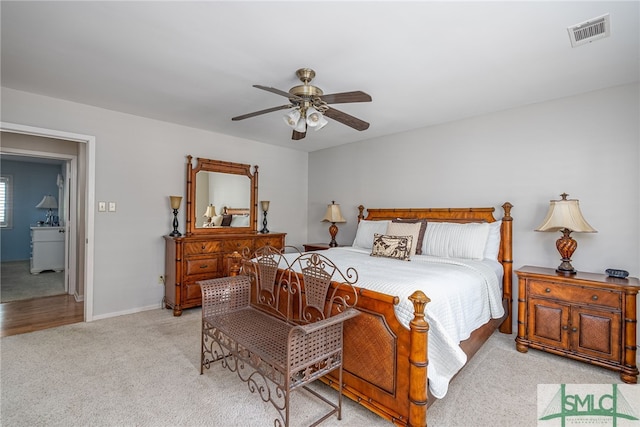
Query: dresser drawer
{"points": [[275, 241], [575, 294], [238, 245], [202, 266], [201, 248]]}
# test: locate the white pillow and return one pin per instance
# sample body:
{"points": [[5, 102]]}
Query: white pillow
{"points": [[240, 221], [493, 240], [216, 220], [453, 240], [366, 231], [405, 229]]}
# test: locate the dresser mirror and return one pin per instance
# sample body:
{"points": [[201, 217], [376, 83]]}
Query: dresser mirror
{"points": [[221, 197]]}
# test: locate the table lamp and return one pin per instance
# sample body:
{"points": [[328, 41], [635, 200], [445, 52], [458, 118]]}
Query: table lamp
{"points": [[333, 215], [48, 202], [565, 216]]}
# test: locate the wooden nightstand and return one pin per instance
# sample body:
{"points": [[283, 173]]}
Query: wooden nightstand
{"points": [[308, 247], [585, 316]]}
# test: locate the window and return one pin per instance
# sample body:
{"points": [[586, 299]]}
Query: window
{"points": [[6, 206]]}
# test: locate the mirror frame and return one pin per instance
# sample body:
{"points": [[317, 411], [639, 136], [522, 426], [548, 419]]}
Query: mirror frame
{"points": [[219, 166]]}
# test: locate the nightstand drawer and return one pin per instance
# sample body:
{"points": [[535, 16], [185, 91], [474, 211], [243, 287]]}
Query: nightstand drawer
{"points": [[575, 294]]}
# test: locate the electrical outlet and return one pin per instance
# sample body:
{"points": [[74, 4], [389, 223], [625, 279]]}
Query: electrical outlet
{"points": [[161, 280]]}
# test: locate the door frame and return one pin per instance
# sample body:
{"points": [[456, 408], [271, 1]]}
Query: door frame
{"points": [[89, 200]]}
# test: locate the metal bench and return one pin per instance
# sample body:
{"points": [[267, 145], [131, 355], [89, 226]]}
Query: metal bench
{"points": [[283, 332]]}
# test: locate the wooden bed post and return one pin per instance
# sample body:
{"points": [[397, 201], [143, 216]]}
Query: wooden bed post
{"points": [[507, 264], [418, 361]]}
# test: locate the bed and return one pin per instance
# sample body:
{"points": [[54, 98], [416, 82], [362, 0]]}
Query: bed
{"points": [[386, 358]]}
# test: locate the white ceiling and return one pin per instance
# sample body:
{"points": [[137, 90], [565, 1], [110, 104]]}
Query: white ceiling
{"points": [[423, 63]]}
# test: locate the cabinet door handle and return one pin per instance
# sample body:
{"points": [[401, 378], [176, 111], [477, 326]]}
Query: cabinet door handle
{"points": [[565, 327], [547, 290], [574, 329], [204, 266], [595, 297]]}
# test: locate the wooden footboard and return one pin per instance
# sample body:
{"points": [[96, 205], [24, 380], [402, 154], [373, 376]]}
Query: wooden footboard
{"points": [[377, 359]]}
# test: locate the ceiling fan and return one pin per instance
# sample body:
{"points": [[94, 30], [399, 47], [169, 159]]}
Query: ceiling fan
{"points": [[309, 106]]}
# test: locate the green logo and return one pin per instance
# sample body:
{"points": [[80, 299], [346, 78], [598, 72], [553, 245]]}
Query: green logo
{"points": [[586, 405]]}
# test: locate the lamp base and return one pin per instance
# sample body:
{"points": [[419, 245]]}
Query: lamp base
{"points": [[566, 268], [264, 230], [175, 232], [333, 230], [566, 246]]}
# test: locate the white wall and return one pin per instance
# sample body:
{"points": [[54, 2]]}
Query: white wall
{"points": [[587, 146], [139, 163]]}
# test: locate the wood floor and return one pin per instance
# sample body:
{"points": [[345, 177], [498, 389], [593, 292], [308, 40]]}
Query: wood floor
{"points": [[19, 317]]}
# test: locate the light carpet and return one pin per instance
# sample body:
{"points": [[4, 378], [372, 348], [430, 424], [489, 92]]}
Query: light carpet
{"points": [[143, 370], [17, 282]]}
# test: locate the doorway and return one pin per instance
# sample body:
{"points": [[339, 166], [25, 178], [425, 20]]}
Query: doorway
{"points": [[37, 257], [80, 213]]}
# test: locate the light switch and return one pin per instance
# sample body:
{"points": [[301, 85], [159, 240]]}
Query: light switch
{"points": [[102, 206], [112, 206]]}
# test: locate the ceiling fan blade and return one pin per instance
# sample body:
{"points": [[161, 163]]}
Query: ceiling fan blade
{"points": [[346, 119], [298, 135], [278, 92], [257, 113], [344, 97]]}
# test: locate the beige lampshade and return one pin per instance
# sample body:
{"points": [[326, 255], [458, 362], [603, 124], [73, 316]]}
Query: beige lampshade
{"points": [[264, 205], [175, 201], [565, 214], [210, 212], [48, 202], [333, 214]]}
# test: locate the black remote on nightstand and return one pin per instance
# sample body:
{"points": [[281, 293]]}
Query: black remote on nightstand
{"points": [[621, 274]]}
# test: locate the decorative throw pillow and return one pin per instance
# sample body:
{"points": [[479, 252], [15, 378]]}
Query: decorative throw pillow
{"points": [[366, 231], [392, 246], [423, 227], [405, 229], [226, 220]]}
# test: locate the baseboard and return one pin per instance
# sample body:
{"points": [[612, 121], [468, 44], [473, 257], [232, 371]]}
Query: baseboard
{"points": [[122, 313], [78, 298]]}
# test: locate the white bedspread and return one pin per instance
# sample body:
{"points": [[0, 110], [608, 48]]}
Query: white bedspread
{"points": [[464, 294]]}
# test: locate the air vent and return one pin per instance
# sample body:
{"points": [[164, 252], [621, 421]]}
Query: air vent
{"points": [[588, 31]]}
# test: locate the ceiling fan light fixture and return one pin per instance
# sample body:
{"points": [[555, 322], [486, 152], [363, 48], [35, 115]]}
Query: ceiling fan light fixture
{"points": [[315, 119], [292, 118], [301, 126]]}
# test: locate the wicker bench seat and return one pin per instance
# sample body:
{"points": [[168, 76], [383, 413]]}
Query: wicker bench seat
{"points": [[271, 346]]}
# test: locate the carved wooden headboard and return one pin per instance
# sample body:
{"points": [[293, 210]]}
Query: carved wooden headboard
{"points": [[235, 211]]}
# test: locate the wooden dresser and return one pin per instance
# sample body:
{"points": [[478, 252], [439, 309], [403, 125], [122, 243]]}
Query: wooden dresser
{"points": [[585, 316], [192, 258]]}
